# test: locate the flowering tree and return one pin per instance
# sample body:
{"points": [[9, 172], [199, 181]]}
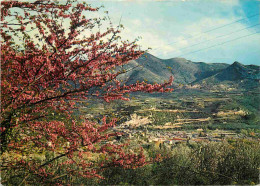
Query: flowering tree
{"points": [[52, 55]]}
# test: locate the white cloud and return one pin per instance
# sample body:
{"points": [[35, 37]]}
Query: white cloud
{"points": [[136, 22], [229, 2], [199, 37], [174, 45], [170, 29]]}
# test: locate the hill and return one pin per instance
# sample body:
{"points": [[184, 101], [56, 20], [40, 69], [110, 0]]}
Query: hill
{"points": [[190, 74], [236, 76]]}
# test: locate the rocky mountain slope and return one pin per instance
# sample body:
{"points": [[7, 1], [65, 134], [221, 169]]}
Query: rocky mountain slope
{"points": [[192, 74]]}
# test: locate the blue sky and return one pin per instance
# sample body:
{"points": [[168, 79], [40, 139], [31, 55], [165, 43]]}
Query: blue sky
{"points": [[181, 28]]}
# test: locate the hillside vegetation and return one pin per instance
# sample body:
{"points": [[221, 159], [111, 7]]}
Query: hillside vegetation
{"points": [[209, 76]]}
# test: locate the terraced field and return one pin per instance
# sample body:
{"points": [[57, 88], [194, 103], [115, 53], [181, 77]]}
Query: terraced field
{"points": [[184, 110]]}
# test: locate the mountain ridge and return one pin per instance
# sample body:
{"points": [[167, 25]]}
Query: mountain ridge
{"points": [[191, 74]]}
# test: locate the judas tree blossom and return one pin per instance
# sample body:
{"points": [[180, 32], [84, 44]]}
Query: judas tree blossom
{"points": [[52, 55]]}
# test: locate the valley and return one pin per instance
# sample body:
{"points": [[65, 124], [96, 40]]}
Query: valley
{"points": [[183, 116]]}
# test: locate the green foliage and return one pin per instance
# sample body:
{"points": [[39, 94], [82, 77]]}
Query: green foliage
{"points": [[187, 105], [233, 162], [160, 118]]}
